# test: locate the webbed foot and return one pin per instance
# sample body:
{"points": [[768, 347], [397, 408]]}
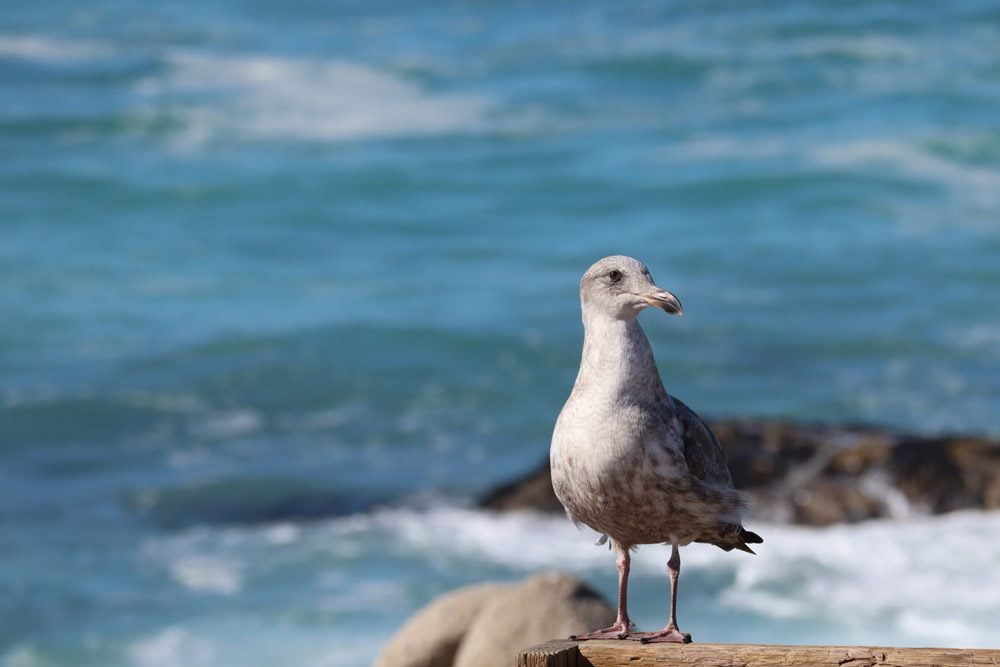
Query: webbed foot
{"points": [[667, 634], [616, 631]]}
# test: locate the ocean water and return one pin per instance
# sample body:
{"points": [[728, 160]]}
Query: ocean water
{"points": [[285, 286]]}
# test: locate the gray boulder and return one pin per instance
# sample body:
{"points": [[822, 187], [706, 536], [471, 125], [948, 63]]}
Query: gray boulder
{"points": [[487, 624], [551, 605], [431, 637]]}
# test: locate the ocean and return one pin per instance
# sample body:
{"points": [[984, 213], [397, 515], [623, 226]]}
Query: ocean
{"points": [[284, 287]]}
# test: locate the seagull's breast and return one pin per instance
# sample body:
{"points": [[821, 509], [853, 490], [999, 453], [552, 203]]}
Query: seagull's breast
{"points": [[607, 455]]}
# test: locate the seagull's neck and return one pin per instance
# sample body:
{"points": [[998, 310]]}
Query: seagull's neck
{"points": [[617, 358]]}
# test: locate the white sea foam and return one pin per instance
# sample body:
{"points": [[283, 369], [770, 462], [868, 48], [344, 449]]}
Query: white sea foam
{"points": [[270, 97], [246, 640], [883, 573], [282, 533], [228, 424], [868, 47], [17, 397], [918, 581], [208, 574], [908, 158], [510, 540], [200, 560], [877, 579], [22, 655], [905, 156], [983, 337], [974, 188], [729, 148], [170, 647], [932, 389], [45, 49], [322, 420]]}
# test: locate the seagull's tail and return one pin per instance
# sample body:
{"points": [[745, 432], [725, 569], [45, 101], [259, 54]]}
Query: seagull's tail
{"points": [[735, 537], [747, 536]]}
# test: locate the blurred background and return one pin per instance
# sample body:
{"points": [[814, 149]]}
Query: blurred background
{"points": [[285, 286]]}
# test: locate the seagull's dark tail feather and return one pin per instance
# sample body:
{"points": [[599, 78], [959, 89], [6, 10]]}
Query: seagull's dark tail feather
{"points": [[748, 536], [735, 537]]}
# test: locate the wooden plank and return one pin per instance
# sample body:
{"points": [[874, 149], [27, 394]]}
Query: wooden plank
{"points": [[634, 654], [559, 653]]}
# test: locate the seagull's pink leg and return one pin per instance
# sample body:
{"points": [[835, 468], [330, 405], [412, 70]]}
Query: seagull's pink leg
{"points": [[670, 633], [623, 625]]}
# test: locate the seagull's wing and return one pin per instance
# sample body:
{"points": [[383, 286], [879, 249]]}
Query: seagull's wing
{"points": [[702, 451], [706, 461]]}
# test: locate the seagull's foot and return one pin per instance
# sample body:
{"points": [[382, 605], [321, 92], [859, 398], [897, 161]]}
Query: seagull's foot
{"points": [[667, 634], [616, 631]]}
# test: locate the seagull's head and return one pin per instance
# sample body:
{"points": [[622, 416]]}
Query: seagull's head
{"points": [[621, 287]]}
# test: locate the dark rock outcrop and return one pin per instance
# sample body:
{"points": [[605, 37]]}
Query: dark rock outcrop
{"points": [[820, 475]]}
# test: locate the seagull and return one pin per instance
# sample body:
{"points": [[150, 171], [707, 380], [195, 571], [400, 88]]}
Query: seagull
{"points": [[632, 462]]}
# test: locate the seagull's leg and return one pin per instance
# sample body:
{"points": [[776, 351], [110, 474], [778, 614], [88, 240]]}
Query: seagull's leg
{"points": [[671, 633], [623, 625], [624, 563]]}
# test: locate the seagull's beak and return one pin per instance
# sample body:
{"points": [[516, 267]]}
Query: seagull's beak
{"points": [[664, 300]]}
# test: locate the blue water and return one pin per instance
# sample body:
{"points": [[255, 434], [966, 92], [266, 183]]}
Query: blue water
{"points": [[283, 286]]}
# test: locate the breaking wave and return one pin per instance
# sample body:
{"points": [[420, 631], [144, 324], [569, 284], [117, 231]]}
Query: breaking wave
{"points": [[877, 583], [270, 97]]}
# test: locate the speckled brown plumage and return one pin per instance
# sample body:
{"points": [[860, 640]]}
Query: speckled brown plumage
{"points": [[629, 460]]}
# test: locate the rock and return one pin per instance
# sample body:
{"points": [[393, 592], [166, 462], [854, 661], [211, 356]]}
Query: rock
{"points": [[487, 624], [824, 502], [818, 475], [432, 636], [946, 474], [542, 607], [759, 453], [530, 492], [859, 458]]}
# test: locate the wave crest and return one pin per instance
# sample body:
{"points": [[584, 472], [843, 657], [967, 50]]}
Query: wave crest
{"points": [[266, 97]]}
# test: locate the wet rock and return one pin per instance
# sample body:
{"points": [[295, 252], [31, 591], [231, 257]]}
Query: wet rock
{"points": [[759, 452], [819, 475], [946, 474], [824, 502], [530, 492], [861, 456]]}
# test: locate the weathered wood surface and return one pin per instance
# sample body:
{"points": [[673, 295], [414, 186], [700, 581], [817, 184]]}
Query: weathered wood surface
{"points": [[634, 654]]}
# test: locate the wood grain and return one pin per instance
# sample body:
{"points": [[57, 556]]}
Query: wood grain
{"points": [[634, 654]]}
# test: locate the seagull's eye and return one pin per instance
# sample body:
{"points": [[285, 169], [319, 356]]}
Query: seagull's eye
{"points": [[615, 275]]}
